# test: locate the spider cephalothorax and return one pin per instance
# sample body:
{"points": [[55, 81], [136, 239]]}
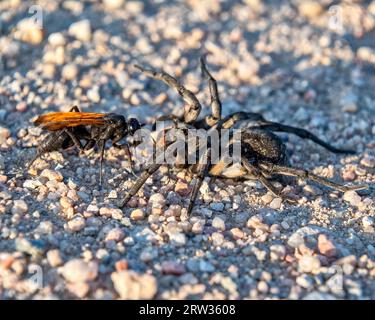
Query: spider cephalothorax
{"points": [[263, 154]]}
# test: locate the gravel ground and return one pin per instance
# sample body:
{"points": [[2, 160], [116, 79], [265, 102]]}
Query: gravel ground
{"points": [[304, 63]]}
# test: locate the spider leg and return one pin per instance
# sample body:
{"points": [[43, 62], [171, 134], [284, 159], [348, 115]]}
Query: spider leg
{"points": [[304, 174], [302, 133], [193, 107], [202, 172], [265, 182], [215, 99], [261, 123], [149, 171], [230, 120], [212, 180]]}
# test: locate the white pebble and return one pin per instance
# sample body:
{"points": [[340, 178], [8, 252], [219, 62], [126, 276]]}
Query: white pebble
{"points": [[77, 270], [69, 72], [275, 203], [134, 286], [81, 30], [218, 223], [56, 39], [367, 222], [76, 224], [19, 207], [352, 197]]}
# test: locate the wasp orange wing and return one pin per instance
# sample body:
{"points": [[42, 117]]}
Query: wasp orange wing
{"points": [[59, 120]]}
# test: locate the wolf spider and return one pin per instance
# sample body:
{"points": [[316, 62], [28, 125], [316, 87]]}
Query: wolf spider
{"points": [[263, 154]]}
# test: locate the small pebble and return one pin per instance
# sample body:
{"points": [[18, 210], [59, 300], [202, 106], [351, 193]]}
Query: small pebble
{"points": [[19, 207], [326, 246], [81, 30], [276, 203], [54, 258], [182, 188], [217, 206], [237, 233], [217, 239], [367, 222], [308, 264], [29, 31], [305, 281], [218, 223], [76, 224], [137, 215], [352, 197], [115, 234], [277, 252], [157, 200], [172, 268], [56, 39], [368, 162], [113, 4], [52, 175], [69, 72], [133, 286], [79, 289], [77, 270]]}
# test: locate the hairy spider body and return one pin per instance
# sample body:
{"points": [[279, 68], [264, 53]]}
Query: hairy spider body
{"points": [[69, 129], [263, 154]]}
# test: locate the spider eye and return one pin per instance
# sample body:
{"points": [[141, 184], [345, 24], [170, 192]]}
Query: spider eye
{"points": [[133, 125]]}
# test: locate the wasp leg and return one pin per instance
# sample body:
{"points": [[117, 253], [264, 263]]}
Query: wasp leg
{"points": [[149, 171], [101, 145], [53, 142], [266, 183], [202, 169], [128, 154], [72, 136], [74, 109], [193, 107], [89, 144], [75, 140], [215, 99], [32, 161], [304, 174]]}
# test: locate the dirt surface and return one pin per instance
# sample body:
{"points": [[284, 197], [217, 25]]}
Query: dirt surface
{"points": [[303, 63]]}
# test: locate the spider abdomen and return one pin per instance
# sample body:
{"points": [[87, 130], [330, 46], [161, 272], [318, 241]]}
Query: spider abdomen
{"points": [[263, 145]]}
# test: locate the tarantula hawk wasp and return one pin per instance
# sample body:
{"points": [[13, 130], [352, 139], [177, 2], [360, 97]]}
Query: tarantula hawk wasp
{"points": [[263, 154], [67, 129]]}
